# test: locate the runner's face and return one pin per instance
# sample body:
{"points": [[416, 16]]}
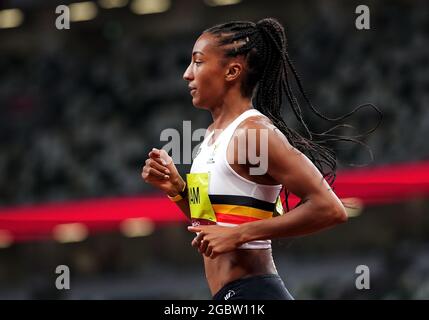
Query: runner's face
{"points": [[206, 73]]}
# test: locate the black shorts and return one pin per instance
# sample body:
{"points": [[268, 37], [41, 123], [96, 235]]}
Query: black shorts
{"points": [[261, 287]]}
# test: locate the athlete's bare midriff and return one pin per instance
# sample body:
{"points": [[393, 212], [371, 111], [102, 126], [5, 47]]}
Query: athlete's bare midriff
{"points": [[241, 263]]}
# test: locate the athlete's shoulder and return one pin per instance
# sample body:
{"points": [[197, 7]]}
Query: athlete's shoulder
{"points": [[258, 121], [262, 123]]}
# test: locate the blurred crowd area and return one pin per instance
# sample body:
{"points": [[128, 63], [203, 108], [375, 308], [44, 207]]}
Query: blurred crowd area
{"points": [[80, 109]]}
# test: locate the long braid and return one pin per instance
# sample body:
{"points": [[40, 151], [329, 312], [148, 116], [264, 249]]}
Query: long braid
{"points": [[267, 78]]}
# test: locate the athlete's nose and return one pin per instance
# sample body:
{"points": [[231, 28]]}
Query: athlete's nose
{"points": [[188, 76]]}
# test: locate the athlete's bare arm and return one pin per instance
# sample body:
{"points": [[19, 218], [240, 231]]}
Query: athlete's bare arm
{"points": [[320, 209]]}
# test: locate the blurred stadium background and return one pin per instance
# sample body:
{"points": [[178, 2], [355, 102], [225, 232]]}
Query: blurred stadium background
{"points": [[81, 108]]}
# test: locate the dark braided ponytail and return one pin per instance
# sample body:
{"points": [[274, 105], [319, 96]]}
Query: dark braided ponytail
{"points": [[269, 77]]}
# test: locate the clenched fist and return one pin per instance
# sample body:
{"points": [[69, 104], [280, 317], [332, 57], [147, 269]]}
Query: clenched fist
{"points": [[160, 171]]}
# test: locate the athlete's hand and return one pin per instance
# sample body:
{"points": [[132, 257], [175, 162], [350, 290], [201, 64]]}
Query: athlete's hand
{"points": [[213, 240], [159, 170]]}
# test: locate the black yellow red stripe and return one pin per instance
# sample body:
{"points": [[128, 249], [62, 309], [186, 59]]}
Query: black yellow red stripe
{"points": [[240, 209], [235, 219], [242, 201]]}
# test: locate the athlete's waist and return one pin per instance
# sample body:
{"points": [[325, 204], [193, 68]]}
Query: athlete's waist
{"points": [[237, 264]]}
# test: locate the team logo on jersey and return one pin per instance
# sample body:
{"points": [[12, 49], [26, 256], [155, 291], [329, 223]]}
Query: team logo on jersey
{"points": [[211, 158], [229, 294]]}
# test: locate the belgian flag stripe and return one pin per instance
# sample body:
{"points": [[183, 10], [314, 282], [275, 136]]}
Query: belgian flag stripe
{"points": [[242, 201], [230, 218], [242, 211]]}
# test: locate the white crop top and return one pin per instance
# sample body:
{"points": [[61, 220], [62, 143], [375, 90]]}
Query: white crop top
{"points": [[234, 199]]}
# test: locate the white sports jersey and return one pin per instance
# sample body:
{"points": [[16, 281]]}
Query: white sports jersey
{"points": [[234, 199]]}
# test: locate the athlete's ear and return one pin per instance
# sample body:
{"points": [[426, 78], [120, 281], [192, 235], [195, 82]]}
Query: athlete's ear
{"points": [[233, 71]]}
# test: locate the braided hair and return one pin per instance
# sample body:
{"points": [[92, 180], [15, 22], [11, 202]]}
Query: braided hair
{"points": [[268, 77]]}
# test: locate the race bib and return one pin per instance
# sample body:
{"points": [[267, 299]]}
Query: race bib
{"points": [[198, 197]]}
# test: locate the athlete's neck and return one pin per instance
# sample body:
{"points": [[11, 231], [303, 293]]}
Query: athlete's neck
{"points": [[230, 109]]}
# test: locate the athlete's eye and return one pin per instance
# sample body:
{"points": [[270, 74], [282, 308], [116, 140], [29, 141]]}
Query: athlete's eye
{"points": [[198, 62]]}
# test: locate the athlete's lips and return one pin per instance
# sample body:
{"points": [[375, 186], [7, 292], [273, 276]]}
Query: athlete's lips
{"points": [[192, 89]]}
